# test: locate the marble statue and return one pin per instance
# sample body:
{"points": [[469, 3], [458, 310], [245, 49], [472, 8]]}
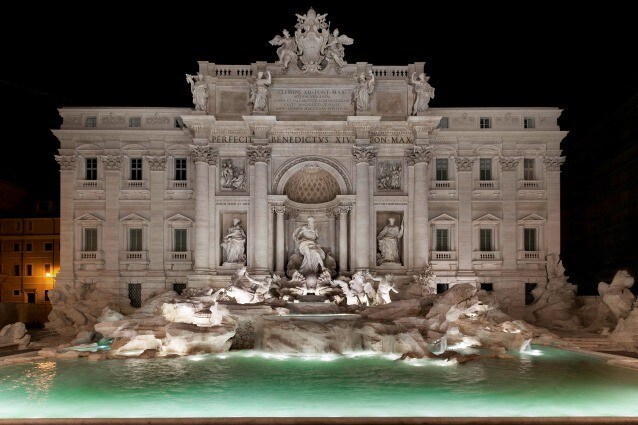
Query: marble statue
{"points": [[232, 177], [424, 92], [334, 49], [199, 90], [362, 91], [287, 51], [362, 289], [305, 237], [259, 92], [234, 243], [388, 240], [386, 285]]}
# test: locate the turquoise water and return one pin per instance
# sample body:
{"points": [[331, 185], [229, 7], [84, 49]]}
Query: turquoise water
{"points": [[548, 382]]}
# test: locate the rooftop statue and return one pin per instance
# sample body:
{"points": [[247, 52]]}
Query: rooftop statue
{"points": [[313, 47]]}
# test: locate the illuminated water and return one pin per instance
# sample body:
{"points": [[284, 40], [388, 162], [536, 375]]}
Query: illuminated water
{"points": [[546, 383]]}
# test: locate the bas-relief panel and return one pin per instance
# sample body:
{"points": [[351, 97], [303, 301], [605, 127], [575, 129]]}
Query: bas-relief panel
{"points": [[232, 175], [389, 175]]}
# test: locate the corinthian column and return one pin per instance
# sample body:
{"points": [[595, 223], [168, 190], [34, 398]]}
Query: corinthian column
{"points": [[67, 248], [419, 157], [343, 238], [509, 166], [157, 165], [279, 243], [201, 155], [259, 156], [552, 178], [112, 181], [364, 156]]}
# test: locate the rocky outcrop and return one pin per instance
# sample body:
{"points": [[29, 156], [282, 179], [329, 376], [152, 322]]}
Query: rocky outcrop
{"points": [[15, 334]]}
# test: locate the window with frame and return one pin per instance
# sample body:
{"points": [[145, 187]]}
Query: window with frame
{"points": [[485, 122], [16, 292], [29, 270], [136, 168], [28, 246], [135, 239], [48, 246], [90, 122], [442, 240], [485, 168], [29, 226], [90, 239], [16, 247], [180, 169], [530, 239], [180, 240], [529, 122], [441, 169], [90, 169], [135, 122], [485, 240], [444, 123], [47, 269], [18, 226], [16, 269], [528, 169]]}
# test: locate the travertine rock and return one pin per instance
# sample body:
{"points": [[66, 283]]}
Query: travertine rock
{"points": [[15, 334]]}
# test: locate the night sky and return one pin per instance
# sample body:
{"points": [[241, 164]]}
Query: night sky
{"points": [[482, 54]]}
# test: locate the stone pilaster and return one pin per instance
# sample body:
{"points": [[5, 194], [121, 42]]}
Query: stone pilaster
{"points": [[67, 229], [157, 166], [552, 180], [464, 166], [343, 238], [509, 183], [213, 238], [419, 157], [259, 156], [363, 156], [112, 182], [201, 155], [280, 266]]}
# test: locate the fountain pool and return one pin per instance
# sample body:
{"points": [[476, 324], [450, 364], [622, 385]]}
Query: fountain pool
{"points": [[544, 382]]}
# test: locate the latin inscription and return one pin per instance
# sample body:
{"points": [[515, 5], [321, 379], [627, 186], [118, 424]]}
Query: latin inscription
{"points": [[309, 100]]}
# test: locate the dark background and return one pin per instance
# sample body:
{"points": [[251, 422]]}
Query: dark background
{"points": [[136, 54]]}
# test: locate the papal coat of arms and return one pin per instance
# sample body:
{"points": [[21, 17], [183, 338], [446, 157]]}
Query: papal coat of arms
{"points": [[313, 48]]}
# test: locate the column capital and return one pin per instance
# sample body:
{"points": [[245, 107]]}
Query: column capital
{"points": [[291, 213], [343, 209], [362, 125], [258, 153], [200, 126], [111, 162], [464, 163], [204, 154], [553, 163], [418, 154], [366, 153], [156, 163], [67, 162], [509, 163], [279, 209]]}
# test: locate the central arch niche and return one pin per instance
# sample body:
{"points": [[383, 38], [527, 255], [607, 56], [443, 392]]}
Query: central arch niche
{"points": [[312, 185]]}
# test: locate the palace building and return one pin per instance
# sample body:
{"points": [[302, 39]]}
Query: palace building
{"points": [[168, 198]]}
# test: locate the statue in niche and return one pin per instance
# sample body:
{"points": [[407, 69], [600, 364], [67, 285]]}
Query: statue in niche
{"points": [[287, 52], [388, 240], [232, 177], [334, 49], [389, 175], [305, 237], [199, 90], [424, 92], [234, 244], [259, 92], [362, 91]]}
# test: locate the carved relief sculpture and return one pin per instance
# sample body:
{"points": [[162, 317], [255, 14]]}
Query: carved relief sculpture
{"points": [[334, 49], [67, 162], [424, 92], [287, 52], [232, 177], [389, 175], [199, 90], [259, 92], [388, 240], [362, 91], [234, 244]]}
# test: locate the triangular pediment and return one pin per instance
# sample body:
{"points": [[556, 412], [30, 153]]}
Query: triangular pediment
{"points": [[178, 218], [88, 147], [133, 217], [532, 218], [86, 218], [443, 218], [134, 147], [487, 218]]}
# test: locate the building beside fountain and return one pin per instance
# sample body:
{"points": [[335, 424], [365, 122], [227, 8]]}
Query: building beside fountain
{"points": [[169, 198]]}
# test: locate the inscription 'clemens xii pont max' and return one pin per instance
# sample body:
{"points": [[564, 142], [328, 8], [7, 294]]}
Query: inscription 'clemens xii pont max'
{"points": [[308, 99]]}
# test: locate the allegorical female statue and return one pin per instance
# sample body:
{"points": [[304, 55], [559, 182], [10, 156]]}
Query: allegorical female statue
{"points": [[388, 240], [259, 92], [234, 243], [362, 91], [306, 237], [424, 92], [199, 90]]}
